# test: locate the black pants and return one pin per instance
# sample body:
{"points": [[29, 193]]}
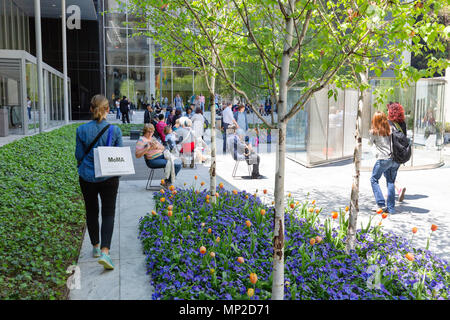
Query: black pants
{"points": [[125, 115], [255, 171], [225, 127], [108, 194]]}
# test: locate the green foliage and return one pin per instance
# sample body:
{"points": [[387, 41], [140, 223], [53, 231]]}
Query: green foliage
{"points": [[41, 215], [127, 127]]}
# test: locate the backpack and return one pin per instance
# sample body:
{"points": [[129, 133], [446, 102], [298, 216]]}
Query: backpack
{"points": [[400, 144]]}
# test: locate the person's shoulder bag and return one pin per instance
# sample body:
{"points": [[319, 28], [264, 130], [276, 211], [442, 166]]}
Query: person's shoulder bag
{"points": [[93, 143]]}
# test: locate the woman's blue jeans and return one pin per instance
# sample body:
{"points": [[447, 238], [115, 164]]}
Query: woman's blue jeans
{"points": [[389, 168], [160, 162]]}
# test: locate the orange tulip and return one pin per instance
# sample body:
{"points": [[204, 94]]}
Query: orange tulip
{"points": [[218, 239], [171, 188], [221, 185], [250, 292], [188, 217], [313, 202], [207, 200], [292, 206], [312, 241], [162, 199], [195, 177], [246, 196], [162, 181], [414, 230], [263, 212], [202, 250], [318, 239], [202, 183], [311, 210], [346, 209], [212, 254], [170, 207], [240, 259], [162, 191], [169, 213], [289, 194], [317, 211], [409, 256], [235, 192], [174, 192], [208, 196], [379, 211], [217, 194], [265, 191], [434, 227], [253, 278], [209, 230], [384, 215], [153, 212], [334, 215], [248, 223]]}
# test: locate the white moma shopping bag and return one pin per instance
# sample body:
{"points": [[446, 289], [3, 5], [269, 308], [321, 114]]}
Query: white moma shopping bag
{"points": [[113, 161]]}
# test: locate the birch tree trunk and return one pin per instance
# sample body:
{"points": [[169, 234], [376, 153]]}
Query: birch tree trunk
{"points": [[278, 233], [354, 197], [212, 169]]}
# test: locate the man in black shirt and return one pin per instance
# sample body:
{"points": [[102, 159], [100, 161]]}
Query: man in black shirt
{"points": [[124, 109]]}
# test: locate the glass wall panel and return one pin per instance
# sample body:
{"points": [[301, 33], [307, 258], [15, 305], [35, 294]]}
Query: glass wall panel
{"points": [[116, 46], [182, 83], [351, 111], [2, 24], [336, 126], [32, 97], [297, 129], [114, 15], [116, 82], [139, 79], [317, 144], [429, 123], [138, 50], [166, 86]]}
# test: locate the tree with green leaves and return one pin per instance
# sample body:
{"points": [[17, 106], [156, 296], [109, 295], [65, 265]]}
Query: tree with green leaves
{"points": [[290, 42]]}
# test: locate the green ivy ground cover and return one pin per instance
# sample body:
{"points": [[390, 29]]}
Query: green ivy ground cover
{"points": [[41, 215], [126, 127]]}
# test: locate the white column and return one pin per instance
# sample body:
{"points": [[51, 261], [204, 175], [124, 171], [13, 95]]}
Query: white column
{"points": [[447, 96], [37, 21], [64, 49], [151, 62]]}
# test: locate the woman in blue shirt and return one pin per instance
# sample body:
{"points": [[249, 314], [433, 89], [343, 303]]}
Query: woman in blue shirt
{"points": [[91, 186]]}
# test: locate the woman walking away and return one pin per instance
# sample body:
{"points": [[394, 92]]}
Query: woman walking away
{"points": [[89, 136], [380, 137], [396, 115]]}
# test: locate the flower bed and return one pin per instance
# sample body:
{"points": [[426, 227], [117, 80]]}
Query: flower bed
{"points": [[196, 250], [41, 215]]}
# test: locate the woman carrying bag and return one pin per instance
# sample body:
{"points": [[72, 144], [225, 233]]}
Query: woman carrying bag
{"points": [[89, 136], [380, 136]]}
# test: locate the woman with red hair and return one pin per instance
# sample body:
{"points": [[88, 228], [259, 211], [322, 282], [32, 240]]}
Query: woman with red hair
{"points": [[380, 136], [396, 114]]}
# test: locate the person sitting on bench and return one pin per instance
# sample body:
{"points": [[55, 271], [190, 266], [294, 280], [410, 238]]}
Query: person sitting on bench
{"points": [[153, 152], [240, 150]]}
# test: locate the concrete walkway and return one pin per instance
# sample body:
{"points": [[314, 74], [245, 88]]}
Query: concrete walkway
{"points": [[128, 281]]}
